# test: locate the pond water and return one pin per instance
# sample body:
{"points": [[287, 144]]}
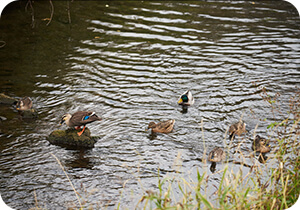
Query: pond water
{"points": [[129, 62]]}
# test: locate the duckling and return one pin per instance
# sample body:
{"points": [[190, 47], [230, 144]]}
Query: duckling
{"points": [[260, 145], [237, 129], [186, 99], [78, 119], [217, 155], [24, 104], [162, 127]]}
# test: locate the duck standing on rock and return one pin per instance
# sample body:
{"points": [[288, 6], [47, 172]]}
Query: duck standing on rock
{"points": [[237, 129], [78, 119], [24, 104], [162, 127]]}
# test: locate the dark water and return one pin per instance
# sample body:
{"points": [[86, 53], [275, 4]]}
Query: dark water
{"points": [[129, 62]]}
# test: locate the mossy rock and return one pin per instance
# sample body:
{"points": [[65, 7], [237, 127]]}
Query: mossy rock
{"points": [[4, 99], [69, 138]]}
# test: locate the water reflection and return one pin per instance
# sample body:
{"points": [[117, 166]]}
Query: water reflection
{"points": [[184, 109], [212, 167], [129, 62], [79, 159]]}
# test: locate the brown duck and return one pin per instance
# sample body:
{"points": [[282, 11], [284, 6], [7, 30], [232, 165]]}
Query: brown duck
{"points": [[78, 119], [237, 129], [24, 103], [260, 145], [162, 127], [217, 155]]}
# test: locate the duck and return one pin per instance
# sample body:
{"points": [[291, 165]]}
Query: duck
{"points": [[186, 99], [24, 104], [78, 119], [237, 129], [217, 155], [162, 127], [260, 145]]}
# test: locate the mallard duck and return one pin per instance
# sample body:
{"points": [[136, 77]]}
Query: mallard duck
{"points": [[217, 155], [78, 119], [237, 129], [186, 99], [24, 103], [162, 127], [260, 145]]}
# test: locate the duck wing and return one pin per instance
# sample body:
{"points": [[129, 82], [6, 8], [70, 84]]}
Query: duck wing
{"points": [[24, 103], [83, 117], [233, 128], [166, 126], [27, 102], [190, 97]]}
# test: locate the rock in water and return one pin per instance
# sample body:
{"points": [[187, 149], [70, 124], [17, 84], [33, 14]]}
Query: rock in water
{"points": [[28, 114], [69, 138], [4, 99]]}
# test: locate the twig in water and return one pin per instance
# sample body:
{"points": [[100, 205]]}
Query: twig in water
{"points": [[52, 11], [3, 43], [36, 201], [32, 12], [68, 9], [76, 193]]}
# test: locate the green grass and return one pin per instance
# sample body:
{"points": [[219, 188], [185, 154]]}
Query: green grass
{"points": [[273, 184], [277, 187], [279, 190]]}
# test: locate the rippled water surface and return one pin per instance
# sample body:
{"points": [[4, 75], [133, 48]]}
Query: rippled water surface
{"points": [[129, 62]]}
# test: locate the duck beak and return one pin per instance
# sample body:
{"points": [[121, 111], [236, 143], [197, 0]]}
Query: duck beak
{"points": [[180, 101], [61, 122]]}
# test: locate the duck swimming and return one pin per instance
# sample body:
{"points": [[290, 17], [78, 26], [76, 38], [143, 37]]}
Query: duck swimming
{"points": [[237, 129], [260, 145], [217, 155], [24, 104], [162, 127], [186, 99], [78, 119]]}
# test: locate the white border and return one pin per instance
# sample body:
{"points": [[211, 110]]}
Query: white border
{"points": [[3, 4]]}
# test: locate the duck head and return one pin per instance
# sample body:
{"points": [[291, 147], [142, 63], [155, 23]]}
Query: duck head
{"points": [[19, 105], [24, 104], [65, 118], [151, 125], [183, 99], [262, 144]]}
